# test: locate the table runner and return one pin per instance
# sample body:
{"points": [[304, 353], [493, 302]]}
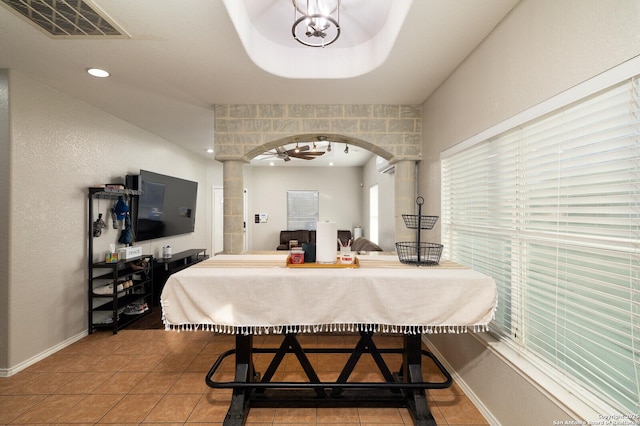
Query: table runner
{"points": [[255, 294]]}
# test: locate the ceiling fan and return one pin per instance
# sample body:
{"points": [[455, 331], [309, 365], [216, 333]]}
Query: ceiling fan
{"points": [[303, 152]]}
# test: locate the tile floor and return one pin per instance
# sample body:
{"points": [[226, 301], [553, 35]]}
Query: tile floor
{"points": [[157, 377]]}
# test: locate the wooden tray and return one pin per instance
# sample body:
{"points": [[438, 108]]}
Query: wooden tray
{"points": [[355, 264]]}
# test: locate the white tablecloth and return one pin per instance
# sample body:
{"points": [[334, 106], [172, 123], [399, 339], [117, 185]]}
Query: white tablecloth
{"points": [[254, 294]]}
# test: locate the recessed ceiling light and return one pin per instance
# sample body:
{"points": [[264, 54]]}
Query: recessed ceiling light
{"points": [[331, 164], [210, 150], [97, 72], [272, 163]]}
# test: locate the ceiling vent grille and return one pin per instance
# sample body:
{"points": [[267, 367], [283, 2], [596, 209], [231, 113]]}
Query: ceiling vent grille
{"points": [[66, 18]]}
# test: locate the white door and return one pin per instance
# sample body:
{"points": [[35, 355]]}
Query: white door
{"points": [[218, 220], [246, 224]]}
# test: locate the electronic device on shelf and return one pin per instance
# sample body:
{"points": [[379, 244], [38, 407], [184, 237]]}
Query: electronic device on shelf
{"points": [[165, 207]]}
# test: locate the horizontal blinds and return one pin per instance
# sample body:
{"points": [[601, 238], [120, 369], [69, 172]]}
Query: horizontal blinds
{"points": [[302, 209], [478, 217], [551, 210]]}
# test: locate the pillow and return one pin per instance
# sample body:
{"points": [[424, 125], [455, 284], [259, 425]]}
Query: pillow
{"points": [[362, 244]]}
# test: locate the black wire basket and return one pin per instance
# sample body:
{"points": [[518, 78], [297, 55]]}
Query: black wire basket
{"points": [[416, 221], [420, 254]]}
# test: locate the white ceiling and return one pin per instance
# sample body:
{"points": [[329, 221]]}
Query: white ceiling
{"points": [[184, 56]]}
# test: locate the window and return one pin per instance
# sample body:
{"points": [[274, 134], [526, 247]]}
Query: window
{"points": [[373, 213], [302, 210], [551, 210]]}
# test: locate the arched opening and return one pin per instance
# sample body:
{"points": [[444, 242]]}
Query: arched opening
{"points": [[344, 190], [243, 132], [319, 137]]}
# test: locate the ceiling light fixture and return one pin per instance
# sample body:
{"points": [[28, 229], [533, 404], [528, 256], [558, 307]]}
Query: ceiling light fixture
{"points": [[97, 72], [329, 147], [316, 23], [346, 148], [297, 150]]}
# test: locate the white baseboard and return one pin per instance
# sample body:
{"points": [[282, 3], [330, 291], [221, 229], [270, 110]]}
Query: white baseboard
{"points": [[463, 385], [7, 372]]}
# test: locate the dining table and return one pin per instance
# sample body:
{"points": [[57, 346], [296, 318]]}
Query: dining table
{"points": [[249, 295]]}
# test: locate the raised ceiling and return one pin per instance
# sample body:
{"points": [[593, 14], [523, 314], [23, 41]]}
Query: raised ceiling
{"points": [[184, 56], [370, 29]]}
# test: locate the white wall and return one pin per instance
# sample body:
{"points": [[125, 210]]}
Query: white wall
{"points": [[59, 147], [542, 48], [340, 198]]}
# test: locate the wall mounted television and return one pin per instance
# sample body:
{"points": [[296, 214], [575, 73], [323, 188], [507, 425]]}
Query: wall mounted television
{"points": [[166, 207]]}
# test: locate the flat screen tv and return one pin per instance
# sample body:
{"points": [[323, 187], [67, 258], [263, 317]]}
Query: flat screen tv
{"points": [[166, 207]]}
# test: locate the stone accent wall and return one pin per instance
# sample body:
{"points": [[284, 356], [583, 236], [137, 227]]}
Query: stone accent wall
{"points": [[390, 131]]}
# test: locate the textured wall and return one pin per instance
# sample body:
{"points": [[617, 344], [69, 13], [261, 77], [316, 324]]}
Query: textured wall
{"points": [[59, 147], [542, 48], [391, 131]]}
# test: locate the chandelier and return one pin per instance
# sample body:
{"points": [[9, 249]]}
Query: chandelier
{"points": [[316, 22]]}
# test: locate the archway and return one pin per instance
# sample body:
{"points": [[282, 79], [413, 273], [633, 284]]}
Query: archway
{"points": [[341, 182], [311, 137], [404, 183], [243, 131]]}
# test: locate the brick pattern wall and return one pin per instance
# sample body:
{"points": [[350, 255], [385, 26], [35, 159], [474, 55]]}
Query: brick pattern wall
{"points": [[245, 131]]}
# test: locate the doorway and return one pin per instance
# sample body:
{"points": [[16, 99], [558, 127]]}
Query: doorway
{"points": [[217, 229]]}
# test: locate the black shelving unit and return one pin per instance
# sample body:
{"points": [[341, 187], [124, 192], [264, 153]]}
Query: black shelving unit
{"points": [[138, 272], [109, 311]]}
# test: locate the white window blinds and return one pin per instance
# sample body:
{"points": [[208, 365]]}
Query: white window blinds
{"points": [[302, 210], [551, 210]]}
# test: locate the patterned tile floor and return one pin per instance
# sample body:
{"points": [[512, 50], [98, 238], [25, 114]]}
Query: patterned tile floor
{"points": [[157, 377]]}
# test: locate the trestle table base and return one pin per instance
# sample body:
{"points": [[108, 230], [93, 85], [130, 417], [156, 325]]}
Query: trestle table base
{"points": [[405, 388]]}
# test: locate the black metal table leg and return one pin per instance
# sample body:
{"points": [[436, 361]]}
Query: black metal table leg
{"points": [[275, 362], [412, 373], [364, 345], [404, 389], [304, 362], [291, 345], [239, 407]]}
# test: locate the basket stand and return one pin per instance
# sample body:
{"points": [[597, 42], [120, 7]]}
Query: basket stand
{"points": [[419, 253]]}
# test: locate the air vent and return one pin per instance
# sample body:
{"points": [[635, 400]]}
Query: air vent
{"points": [[66, 18], [383, 166]]}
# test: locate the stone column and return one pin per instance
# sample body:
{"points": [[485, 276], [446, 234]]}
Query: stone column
{"points": [[405, 194], [233, 200]]}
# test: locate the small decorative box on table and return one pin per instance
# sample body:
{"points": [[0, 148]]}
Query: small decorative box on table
{"points": [[355, 264]]}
